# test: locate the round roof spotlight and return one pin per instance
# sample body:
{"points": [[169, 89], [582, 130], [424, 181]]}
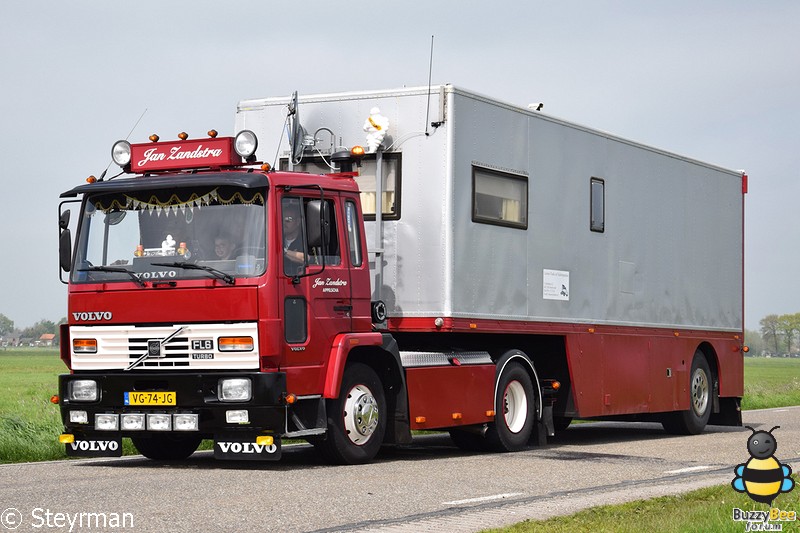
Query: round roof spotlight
{"points": [[245, 144], [121, 153]]}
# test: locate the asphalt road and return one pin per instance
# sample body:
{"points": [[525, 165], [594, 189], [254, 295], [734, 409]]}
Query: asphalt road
{"points": [[429, 486]]}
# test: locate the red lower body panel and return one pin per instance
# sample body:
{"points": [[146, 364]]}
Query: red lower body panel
{"points": [[447, 396]]}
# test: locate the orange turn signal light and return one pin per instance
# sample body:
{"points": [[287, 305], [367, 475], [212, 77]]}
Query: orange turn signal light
{"points": [[91, 179], [357, 151], [420, 420], [745, 349], [457, 416], [290, 398], [236, 344], [266, 167], [54, 399], [84, 345]]}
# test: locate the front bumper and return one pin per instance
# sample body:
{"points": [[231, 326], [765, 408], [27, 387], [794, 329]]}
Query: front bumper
{"points": [[195, 394]]}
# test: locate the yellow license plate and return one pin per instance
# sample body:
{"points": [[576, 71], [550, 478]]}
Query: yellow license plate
{"points": [[150, 398]]}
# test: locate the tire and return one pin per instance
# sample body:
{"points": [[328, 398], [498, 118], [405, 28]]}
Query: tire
{"points": [[468, 440], [356, 419], [694, 420], [515, 411], [167, 447]]}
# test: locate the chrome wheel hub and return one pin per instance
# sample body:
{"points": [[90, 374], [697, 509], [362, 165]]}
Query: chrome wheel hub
{"points": [[361, 414]]}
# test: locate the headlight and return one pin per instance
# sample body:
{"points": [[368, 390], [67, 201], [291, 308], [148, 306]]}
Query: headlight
{"points": [[106, 422], [185, 422], [159, 422], [79, 417], [121, 153], [245, 143], [235, 390], [132, 421], [237, 416], [83, 390]]}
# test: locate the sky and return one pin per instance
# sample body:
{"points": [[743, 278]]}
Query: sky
{"points": [[713, 80]]}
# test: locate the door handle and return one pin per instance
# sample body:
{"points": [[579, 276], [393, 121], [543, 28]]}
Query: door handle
{"points": [[343, 308]]}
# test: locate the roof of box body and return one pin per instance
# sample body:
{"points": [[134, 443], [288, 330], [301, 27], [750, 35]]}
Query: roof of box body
{"points": [[255, 103]]}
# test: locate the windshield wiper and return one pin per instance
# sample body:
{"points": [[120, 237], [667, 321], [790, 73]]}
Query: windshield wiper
{"points": [[227, 278], [131, 273]]}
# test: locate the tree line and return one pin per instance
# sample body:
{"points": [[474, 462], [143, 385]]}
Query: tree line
{"points": [[34, 332], [779, 335]]}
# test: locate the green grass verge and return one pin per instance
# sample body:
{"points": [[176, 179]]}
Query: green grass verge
{"points": [[709, 509], [771, 382], [29, 423]]}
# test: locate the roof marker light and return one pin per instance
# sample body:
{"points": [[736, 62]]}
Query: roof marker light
{"points": [[245, 143], [154, 138], [213, 134], [183, 136], [121, 153]]}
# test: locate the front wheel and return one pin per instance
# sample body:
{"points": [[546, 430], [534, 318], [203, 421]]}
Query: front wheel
{"points": [[356, 419], [167, 447], [515, 411], [694, 420]]}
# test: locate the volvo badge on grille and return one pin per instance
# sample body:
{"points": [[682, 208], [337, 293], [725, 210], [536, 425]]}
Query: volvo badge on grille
{"points": [[154, 348]]}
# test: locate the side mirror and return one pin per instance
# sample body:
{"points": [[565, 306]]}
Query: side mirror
{"points": [[65, 247], [318, 224], [63, 219]]}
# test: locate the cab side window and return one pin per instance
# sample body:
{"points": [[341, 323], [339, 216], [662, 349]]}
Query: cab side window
{"points": [[294, 237], [310, 234]]}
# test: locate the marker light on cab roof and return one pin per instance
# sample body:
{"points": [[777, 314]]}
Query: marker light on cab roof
{"points": [[121, 153], [245, 143]]}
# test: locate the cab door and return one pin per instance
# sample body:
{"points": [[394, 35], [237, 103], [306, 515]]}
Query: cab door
{"points": [[317, 303]]}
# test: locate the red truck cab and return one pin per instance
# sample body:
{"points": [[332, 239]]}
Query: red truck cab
{"points": [[210, 299]]}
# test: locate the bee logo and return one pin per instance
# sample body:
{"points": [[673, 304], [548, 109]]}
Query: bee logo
{"points": [[762, 477]]}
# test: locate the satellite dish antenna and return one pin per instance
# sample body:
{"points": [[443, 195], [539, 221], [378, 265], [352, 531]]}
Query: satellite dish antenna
{"points": [[296, 131]]}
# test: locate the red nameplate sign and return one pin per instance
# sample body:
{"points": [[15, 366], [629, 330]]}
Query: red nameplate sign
{"points": [[194, 153]]}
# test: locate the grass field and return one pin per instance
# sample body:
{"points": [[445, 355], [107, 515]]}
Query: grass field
{"points": [[771, 382], [29, 423]]}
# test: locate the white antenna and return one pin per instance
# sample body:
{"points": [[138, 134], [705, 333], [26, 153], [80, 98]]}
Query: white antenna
{"points": [[430, 71]]}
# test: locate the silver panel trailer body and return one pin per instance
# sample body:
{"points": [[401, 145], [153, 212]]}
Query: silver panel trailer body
{"points": [[668, 252]]}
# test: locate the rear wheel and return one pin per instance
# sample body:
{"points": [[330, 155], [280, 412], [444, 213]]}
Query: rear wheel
{"points": [[694, 420], [515, 411], [167, 447], [356, 419]]}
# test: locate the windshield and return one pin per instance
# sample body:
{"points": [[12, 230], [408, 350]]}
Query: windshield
{"points": [[141, 235]]}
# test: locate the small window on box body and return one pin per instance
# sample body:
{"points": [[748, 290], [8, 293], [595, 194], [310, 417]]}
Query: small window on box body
{"points": [[366, 181], [597, 215], [499, 198]]}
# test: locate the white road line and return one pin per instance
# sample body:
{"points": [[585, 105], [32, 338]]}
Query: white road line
{"points": [[484, 498], [689, 469]]}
